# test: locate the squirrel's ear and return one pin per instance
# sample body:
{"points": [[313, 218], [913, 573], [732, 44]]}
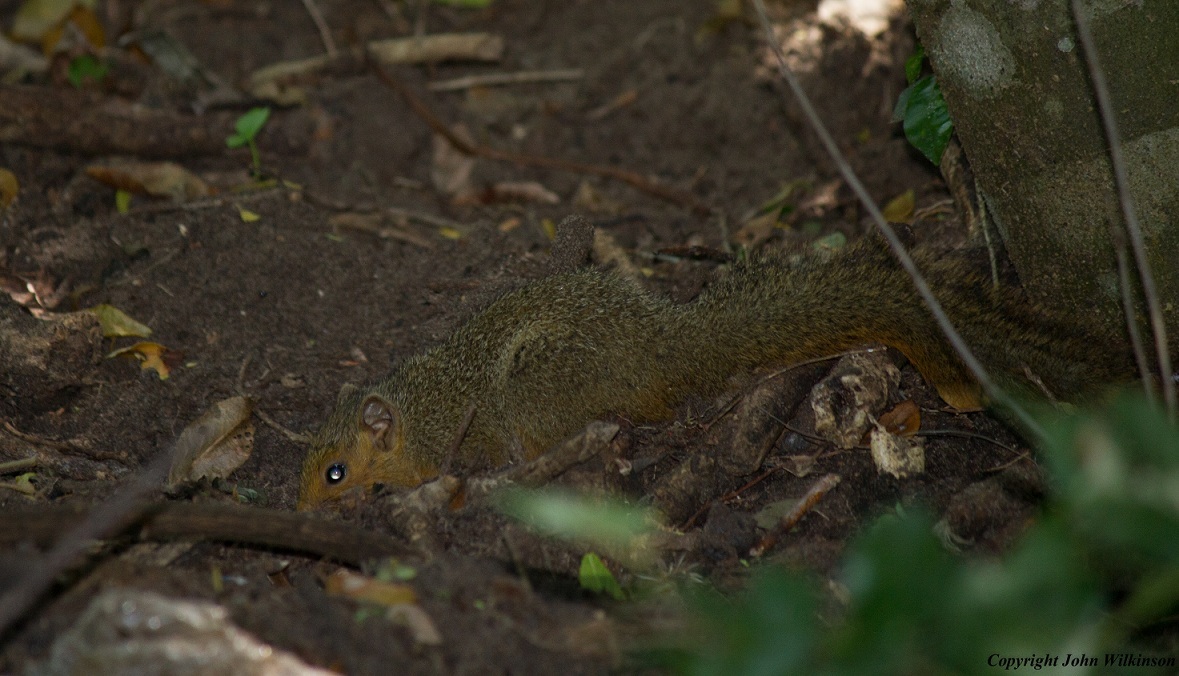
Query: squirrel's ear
{"points": [[378, 418], [345, 390]]}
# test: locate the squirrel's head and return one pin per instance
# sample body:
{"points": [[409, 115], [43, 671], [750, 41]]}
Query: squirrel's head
{"points": [[361, 444]]}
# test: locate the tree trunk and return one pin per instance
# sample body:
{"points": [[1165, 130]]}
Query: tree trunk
{"points": [[1014, 79]]}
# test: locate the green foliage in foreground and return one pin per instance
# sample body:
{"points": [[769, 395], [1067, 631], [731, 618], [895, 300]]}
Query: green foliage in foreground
{"points": [[1100, 565]]}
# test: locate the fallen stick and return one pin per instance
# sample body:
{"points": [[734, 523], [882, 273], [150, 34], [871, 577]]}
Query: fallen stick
{"points": [[83, 122]]}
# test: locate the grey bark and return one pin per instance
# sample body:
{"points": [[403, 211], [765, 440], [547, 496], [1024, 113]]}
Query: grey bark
{"points": [[1017, 88]]}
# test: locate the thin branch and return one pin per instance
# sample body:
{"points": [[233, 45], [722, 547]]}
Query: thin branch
{"points": [[898, 249], [519, 77], [325, 34], [105, 519], [634, 179], [791, 519], [1126, 200]]}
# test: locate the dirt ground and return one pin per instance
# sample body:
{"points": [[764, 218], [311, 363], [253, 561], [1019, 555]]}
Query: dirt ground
{"points": [[288, 307]]}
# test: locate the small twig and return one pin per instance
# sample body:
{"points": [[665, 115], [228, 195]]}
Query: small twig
{"points": [[36, 440], [966, 435], [103, 520], [727, 497], [894, 242], [1126, 201], [208, 202], [277, 427], [786, 369], [325, 34], [448, 461], [519, 77], [12, 466], [1026, 455], [635, 180], [791, 519]]}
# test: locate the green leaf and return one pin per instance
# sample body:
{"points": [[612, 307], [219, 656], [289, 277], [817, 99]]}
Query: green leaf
{"points": [[115, 323], [913, 64], [594, 576], [248, 126], [927, 122], [84, 68]]}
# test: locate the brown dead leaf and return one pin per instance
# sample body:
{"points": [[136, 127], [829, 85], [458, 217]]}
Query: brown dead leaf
{"points": [[904, 420], [359, 587], [520, 191], [151, 356], [377, 224], [216, 444], [158, 179], [451, 168]]}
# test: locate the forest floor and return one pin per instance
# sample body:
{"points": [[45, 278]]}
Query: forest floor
{"points": [[377, 245]]}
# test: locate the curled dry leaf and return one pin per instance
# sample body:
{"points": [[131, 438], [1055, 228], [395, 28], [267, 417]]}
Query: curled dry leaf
{"points": [[903, 420], [895, 455], [158, 179], [151, 356], [450, 170], [216, 444], [116, 324]]}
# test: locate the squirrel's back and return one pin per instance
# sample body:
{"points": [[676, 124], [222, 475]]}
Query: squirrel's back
{"points": [[542, 361]]}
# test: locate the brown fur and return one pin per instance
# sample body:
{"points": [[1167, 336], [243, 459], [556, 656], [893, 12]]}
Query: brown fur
{"points": [[542, 361]]}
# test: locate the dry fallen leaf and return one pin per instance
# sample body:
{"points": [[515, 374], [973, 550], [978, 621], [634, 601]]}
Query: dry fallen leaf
{"points": [[900, 208], [363, 588], [36, 18], [151, 356], [451, 168], [115, 323], [515, 191], [216, 444], [895, 455], [9, 187], [903, 420], [400, 600], [246, 215], [158, 179]]}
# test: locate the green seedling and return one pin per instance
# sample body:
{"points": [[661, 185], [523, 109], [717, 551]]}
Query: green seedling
{"points": [[247, 128], [85, 68]]}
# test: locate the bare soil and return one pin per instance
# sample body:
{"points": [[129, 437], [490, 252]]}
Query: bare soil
{"points": [[288, 308]]}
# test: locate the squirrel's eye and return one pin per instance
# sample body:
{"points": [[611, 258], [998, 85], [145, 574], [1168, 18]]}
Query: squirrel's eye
{"points": [[336, 473]]}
